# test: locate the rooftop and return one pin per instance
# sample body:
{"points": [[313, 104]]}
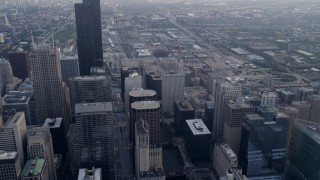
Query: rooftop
{"points": [[93, 107], [140, 105], [52, 122], [142, 93], [7, 155], [311, 129], [94, 174], [184, 105], [87, 78], [197, 127], [33, 167], [228, 151]]}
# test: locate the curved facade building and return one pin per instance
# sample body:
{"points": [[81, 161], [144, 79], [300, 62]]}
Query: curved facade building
{"points": [[89, 89]]}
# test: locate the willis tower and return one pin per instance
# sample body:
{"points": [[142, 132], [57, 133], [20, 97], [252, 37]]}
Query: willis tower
{"points": [[89, 38]]}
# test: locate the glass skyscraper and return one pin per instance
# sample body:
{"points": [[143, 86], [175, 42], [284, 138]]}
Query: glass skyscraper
{"points": [[89, 37], [263, 146]]}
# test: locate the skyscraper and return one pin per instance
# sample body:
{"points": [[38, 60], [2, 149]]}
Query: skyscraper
{"points": [[20, 64], [88, 89], [89, 37], [263, 146], [6, 76], [197, 140], [130, 83], [69, 68], [172, 89], [94, 123], [234, 113], [223, 92], [10, 167], [183, 110], [50, 92], [303, 159], [149, 111], [268, 100], [40, 146], [13, 136], [148, 159], [141, 95], [56, 128], [224, 158], [315, 108]]}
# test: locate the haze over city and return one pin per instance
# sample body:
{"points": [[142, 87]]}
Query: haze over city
{"points": [[160, 89]]}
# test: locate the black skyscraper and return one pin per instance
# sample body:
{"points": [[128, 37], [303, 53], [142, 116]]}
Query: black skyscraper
{"points": [[89, 38]]}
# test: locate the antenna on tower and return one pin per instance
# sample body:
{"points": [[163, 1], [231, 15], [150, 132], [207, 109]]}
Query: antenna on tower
{"points": [[52, 39], [32, 41]]}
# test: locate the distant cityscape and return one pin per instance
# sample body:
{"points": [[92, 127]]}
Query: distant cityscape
{"points": [[160, 90]]}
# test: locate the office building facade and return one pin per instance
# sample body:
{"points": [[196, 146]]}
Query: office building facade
{"points": [[172, 89], [10, 167], [20, 64], [197, 140], [56, 128], [183, 110], [303, 159], [94, 123], [69, 68], [89, 89], [234, 113], [314, 109], [224, 159], [149, 111], [89, 37], [263, 146], [50, 93], [13, 136], [223, 92], [40, 146]]}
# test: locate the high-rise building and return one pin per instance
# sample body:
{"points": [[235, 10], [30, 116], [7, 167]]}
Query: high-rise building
{"points": [[303, 109], [90, 174], [268, 100], [148, 158], [35, 169], [40, 146], [224, 159], [303, 159], [19, 101], [133, 81], [128, 68], [10, 165], [69, 68], [234, 113], [197, 140], [172, 89], [315, 108], [20, 64], [223, 93], [209, 114], [6, 76], [304, 93], [94, 123], [183, 110], [56, 128], [141, 95], [13, 135], [88, 89], [149, 111], [50, 92], [263, 146], [89, 37]]}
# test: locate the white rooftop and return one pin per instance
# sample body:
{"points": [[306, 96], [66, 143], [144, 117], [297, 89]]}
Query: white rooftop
{"points": [[7, 155], [197, 127], [145, 105], [93, 107], [94, 174]]}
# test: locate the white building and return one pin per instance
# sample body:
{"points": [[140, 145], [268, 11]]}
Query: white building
{"points": [[172, 89], [13, 135], [268, 100], [224, 158], [134, 81]]}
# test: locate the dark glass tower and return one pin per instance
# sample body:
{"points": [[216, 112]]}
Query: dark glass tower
{"points": [[89, 38]]}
